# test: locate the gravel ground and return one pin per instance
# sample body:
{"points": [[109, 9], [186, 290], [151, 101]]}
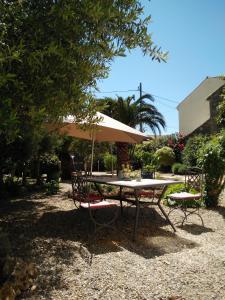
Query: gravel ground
{"points": [[159, 265]]}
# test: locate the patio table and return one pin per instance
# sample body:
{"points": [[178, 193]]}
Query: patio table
{"points": [[137, 186]]}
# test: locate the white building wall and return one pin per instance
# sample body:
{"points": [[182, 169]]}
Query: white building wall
{"points": [[194, 110], [193, 114]]}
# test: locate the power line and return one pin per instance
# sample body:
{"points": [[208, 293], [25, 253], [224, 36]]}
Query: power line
{"points": [[168, 106], [163, 98], [109, 92], [126, 91], [171, 127]]}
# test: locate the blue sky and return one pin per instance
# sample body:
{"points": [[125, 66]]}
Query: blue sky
{"points": [[193, 31]]}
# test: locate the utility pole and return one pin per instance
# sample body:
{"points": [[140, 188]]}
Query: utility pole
{"points": [[140, 90]]}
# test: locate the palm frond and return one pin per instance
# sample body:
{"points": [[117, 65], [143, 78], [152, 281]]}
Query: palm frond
{"points": [[134, 113], [143, 97]]}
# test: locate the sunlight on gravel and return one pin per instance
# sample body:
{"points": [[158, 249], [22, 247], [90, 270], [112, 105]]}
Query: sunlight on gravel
{"points": [[50, 233]]}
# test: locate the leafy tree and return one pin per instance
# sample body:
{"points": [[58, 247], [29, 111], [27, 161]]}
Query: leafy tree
{"points": [[52, 53], [133, 113], [109, 161], [212, 159], [190, 153]]}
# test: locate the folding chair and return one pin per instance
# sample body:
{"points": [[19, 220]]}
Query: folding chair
{"points": [[85, 199], [189, 201]]}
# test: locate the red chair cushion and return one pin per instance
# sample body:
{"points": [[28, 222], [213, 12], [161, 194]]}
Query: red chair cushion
{"points": [[149, 194], [185, 196], [142, 193], [97, 205], [94, 197]]}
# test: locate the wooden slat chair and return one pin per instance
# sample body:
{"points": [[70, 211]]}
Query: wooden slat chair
{"points": [[185, 200], [92, 202]]}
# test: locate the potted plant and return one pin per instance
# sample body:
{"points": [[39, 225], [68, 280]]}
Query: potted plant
{"points": [[148, 171], [125, 172]]}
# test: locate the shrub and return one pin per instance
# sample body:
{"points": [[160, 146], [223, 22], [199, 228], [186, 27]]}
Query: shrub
{"points": [[221, 110], [179, 168], [146, 157], [164, 157], [144, 153], [109, 160], [176, 142], [142, 156], [212, 158], [12, 186], [52, 187], [190, 154], [50, 164], [154, 144], [175, 188]]}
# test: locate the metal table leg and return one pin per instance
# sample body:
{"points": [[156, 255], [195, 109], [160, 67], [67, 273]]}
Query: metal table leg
{"points": [[136, 215], [121, 201], [162, 210]]}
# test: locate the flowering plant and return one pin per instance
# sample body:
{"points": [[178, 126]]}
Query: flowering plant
{"points": [[176, 142], [126, 170]]}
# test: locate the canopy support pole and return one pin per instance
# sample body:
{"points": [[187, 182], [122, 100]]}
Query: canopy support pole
{"points": [[111, 150], [92, 151]]}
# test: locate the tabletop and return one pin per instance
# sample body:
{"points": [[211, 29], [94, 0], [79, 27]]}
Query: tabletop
{"points": [[144, 183]]}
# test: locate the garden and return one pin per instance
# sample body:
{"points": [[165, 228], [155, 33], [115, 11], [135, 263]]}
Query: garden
{"points": [[44, 250], [52, 56]]}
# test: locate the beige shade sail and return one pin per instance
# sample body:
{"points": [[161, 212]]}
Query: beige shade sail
{"points": [[107, 129]]}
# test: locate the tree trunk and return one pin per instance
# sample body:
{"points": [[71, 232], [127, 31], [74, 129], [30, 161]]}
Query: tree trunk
{"points": [[122, 155], [24, 174], [37, 171], [1, 179]]}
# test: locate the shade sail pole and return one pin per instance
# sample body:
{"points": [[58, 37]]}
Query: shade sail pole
{"points": [[111, 150], [92, 150]]}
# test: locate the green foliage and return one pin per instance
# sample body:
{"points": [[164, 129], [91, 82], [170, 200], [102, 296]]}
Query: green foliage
{"points": [[135, 112], [144, 153], [148, 171], [179, 168], [178, 188], [174, 188], [212, 158], [50, 164], [165, 157], [142, 156], [51, 187], [176, 142], [81, 150], [148, 168], [11, 187], [109, 160], [190, 154], [221, 111], [53, 52]]}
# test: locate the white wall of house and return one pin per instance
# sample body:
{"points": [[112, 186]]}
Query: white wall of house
{"points": [[194, 110]]}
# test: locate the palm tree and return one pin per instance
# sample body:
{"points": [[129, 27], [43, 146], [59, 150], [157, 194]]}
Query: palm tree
{"points": [[133, 113]]}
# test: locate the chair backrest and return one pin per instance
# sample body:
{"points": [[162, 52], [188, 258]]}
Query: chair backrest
{"points": [[80, 187], [194, 179]]}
